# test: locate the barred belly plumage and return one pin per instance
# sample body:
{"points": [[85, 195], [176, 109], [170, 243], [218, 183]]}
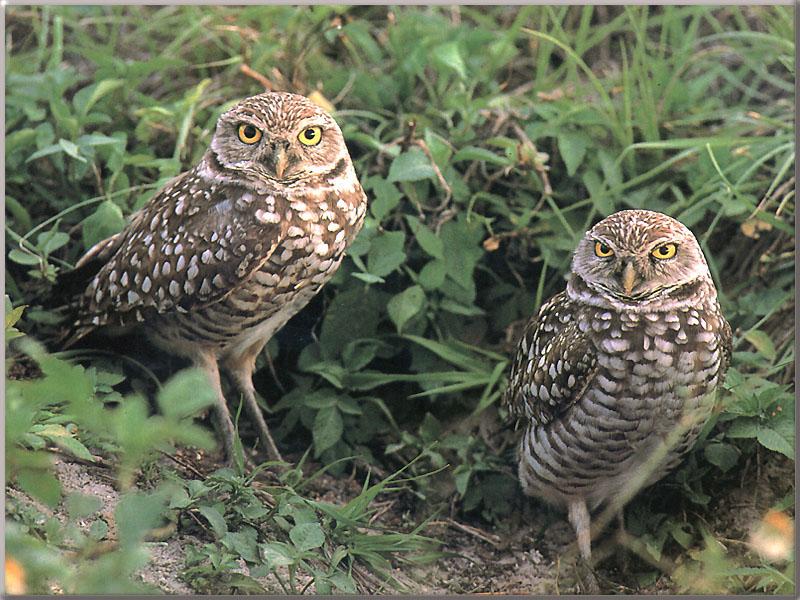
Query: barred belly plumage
{"points": [[615, 376], [639, 398]]}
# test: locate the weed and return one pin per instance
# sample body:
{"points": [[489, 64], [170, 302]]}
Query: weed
{"points": [[488, 140]]}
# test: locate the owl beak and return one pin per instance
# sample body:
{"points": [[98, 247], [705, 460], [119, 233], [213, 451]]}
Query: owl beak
{"points": [[628, 278], [280, 161]]}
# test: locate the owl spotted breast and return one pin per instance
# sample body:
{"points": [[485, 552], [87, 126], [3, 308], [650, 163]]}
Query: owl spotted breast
{"points": [[616, 376], [226, 253]]}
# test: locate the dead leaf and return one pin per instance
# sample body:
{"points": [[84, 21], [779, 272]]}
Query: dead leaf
{"points": [[15, 577], [491, 244], [551, 96], [752, 228], [773, 536], [320, 100], [257, 76]]}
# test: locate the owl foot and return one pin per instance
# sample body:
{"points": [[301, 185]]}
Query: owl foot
{"points": [[586, 577]]}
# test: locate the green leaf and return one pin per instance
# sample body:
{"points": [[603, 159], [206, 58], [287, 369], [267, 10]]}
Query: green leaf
{"points": [[80, 506], [680, 535], [307, 536], [87, 97], [359, 353], [23, 257], [327, 430], [385, 196], [71, 149], [185, 394], [572, 147], [276, 555], [368, 278], [319, 399], [241, 584], [332, 371], [449, 55], [772, 440], [46, 151], [610, 167], [73, 446], [215, 519], [462, 480], [743, 428], [243, 542], [411, 165], [426, 239], [50, 241], [96, 139], [462, 249], [475, 153], [762, 342], [137, 513], [440, 149], [724, 456], [451, 354], [353, 314], [104, 222], [13, 314], [349, 406], [460, 309], [41, 485], [431, 277], [98, 530], [386, 253], [405, 305], [19, 139]]}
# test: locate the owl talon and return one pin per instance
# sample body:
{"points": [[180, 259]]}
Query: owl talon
{"points": [[586, 577]]}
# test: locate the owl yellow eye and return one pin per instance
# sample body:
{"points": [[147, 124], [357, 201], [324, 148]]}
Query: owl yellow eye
{"points": [[310, 136], [249, 134], [664, 252], [603, 251]]}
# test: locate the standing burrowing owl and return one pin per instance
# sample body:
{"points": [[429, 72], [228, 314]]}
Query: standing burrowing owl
{"points": [[226, 253], [616, 376]]}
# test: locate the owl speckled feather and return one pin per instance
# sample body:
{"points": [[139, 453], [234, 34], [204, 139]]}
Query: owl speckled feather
{"points": [[226, 253], [620, 366]]}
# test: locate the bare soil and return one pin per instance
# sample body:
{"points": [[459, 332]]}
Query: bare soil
{"points": [[529, 556]]}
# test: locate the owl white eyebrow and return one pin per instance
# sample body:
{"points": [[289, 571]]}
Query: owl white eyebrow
{"points": [[662, 241], [311, 122], [260, 126]]}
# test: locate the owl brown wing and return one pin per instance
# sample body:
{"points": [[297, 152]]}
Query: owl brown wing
{"points": [[553, 365], [190, 246]]}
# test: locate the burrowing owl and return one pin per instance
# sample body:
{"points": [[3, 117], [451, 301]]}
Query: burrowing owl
{"points": [[616, 376], [226, 253]]}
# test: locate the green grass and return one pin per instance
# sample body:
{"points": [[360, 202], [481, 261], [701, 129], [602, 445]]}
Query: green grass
{"points": [[538, 120]]}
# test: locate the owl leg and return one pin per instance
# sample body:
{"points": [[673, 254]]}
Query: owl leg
{"points": [[208, 363], [579, 518], [241, 368], [621, 537]]}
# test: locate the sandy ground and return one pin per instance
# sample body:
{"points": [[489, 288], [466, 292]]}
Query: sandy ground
{"points": [[534, 559]]}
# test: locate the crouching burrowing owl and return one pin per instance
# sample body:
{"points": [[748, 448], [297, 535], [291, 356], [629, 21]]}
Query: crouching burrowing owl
{"points": [[616, 376], [226, 253]]}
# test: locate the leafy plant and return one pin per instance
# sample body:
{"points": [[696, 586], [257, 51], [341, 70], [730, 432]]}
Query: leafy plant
{"points": [[310, 542], [488, 140]]}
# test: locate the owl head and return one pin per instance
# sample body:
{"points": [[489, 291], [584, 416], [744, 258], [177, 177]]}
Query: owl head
{"points": [[279, 137], [638, 255]]}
